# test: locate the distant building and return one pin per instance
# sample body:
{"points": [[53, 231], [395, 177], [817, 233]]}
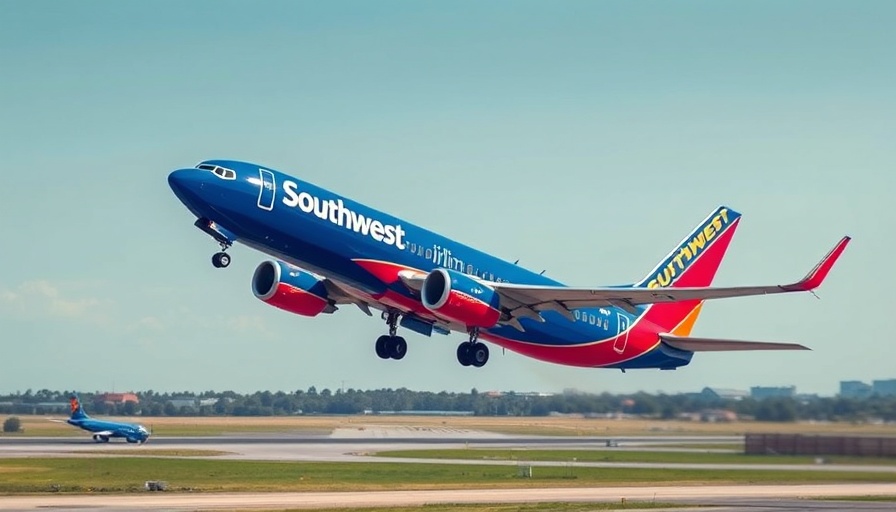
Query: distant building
{"points": [[763, 392], [724, 394], [117, 398], [183, 402], [854, 389], [883, 387]]}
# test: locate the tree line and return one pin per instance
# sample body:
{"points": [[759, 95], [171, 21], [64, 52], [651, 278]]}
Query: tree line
{"points": [[351, 401]]}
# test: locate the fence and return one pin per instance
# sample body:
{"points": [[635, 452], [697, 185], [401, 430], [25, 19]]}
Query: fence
{"points": [[799, 444]]}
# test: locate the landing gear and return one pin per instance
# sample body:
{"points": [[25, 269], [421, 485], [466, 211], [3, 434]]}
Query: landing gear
{"points": [[391, 346], [221, 259], [473, 352]]}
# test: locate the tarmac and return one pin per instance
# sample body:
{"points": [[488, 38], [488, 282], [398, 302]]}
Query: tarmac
{"points": [[356, 445]]}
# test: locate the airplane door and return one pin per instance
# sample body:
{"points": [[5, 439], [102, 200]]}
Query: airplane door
{"points": [[267, 191], [622, 324]]}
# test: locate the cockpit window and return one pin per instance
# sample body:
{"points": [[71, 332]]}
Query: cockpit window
{"points": [[221, 172]]}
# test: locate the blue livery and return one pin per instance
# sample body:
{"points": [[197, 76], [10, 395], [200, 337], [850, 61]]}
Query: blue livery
{"points": [[329, 251], [104, 430]]}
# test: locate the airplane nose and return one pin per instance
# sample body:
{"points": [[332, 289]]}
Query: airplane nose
{"points": [[186, 184], [179, 179]]}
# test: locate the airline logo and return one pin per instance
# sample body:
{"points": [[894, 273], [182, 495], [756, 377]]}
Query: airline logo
{"points": [[693, 247], [335, 212]]}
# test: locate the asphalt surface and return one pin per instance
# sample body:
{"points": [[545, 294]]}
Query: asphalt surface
{"points": [[356, 445], [729, 498], [358, 449]]}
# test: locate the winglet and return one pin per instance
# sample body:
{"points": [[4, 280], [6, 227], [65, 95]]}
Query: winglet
{"points": [[816, 276]]}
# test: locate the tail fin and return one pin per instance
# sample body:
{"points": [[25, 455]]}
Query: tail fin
{"points": [[77, 411], [693, 263]]}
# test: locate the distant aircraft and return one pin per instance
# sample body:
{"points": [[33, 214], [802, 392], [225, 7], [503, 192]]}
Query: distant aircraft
{"points": [[332, 251], [105, 430]]}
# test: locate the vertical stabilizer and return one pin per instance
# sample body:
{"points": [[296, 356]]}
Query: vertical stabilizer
{"points": [[693, 263], [77, 411]]}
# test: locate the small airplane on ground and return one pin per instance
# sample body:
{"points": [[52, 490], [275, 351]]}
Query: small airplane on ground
{"points": [[104, 430], [330, 251]]}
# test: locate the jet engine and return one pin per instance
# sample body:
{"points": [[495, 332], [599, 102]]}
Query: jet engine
{"points": [[460, 298], [290, 289]]}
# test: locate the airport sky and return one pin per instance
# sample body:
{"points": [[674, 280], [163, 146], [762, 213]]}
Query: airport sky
{"points": [[584, 138]]}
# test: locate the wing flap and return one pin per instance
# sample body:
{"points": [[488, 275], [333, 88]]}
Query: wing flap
{"points": [[721, 345]]}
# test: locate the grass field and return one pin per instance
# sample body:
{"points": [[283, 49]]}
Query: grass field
{"points": [[127, 474], [615, 455], [562, 426]]}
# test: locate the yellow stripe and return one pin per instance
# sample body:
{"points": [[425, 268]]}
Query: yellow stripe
{"points": [[686, 325]]}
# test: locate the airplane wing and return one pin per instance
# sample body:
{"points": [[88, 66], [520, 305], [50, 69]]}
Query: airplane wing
{"points": [[558, 298], [107, 433], [720, 345]]}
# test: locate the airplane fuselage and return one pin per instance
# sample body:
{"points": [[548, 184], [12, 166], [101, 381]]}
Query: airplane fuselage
{"points": [[364, 250], [111, 429]]}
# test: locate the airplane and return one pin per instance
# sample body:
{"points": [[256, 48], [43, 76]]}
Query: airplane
{"points": [[328, 251], [104, 430]]}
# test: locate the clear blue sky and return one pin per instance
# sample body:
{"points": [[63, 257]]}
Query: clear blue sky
{"points": [[585, 138]]}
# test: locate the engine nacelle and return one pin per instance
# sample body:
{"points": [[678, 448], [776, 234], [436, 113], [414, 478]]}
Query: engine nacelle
{"points": [[458, 297], [290, 289]]}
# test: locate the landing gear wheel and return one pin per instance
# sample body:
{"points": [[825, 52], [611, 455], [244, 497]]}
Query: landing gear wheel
{"points": [[398, 347], [391, 346], [463, 354], [472, 353], [221, 260], [382, 347], [478, 354]]}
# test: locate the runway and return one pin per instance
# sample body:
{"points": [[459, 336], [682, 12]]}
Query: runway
{"points": [[329, 448], [727, 498], [356, 445]]}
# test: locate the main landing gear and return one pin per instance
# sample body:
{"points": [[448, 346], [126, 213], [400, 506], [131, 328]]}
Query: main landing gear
{"points": [[221, 259], [473, 352], [391, 346]]}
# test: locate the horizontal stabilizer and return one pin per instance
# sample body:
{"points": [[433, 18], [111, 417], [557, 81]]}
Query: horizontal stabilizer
{"points": [[719, 345]]}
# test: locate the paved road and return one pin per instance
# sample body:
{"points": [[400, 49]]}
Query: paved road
{"points": [[753, 498]]}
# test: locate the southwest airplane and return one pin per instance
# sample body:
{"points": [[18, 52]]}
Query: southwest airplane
{"points": [[104, 430], [329, 250]]}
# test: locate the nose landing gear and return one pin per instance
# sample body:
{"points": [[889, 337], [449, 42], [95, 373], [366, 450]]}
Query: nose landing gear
{"points": [[221, 259]]}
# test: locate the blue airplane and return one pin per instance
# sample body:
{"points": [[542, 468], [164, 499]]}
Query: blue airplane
{"points": [[104, 430], [330, 251]]}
